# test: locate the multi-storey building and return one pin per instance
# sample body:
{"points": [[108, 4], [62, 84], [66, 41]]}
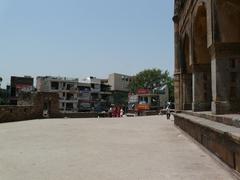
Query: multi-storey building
{"points": [[19, 85], [99, 93], [67, 88], [89, 94], [84, 96], [119, 84]]}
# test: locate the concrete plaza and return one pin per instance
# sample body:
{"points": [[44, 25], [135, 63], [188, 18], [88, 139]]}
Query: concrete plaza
{"points": [[141, 148]]}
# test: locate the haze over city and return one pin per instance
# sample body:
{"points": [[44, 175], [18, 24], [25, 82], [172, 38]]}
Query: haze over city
{"points": [[84, 38]]}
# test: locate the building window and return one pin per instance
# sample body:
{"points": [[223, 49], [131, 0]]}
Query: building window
{"points": [[54, 85], [70, 86], [205, 77], [233, 63], [63, 87], [233, 92], [233, 77], [69, 106]]}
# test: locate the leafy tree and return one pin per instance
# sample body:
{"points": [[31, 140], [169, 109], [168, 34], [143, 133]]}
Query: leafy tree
{"points": [[150, 78], [3, 96], [0, 81]]}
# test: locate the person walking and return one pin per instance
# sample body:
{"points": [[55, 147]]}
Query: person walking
{"points": [[121, 112], [168, 112]]}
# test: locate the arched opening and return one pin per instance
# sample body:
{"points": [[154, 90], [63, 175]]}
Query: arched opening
{"points": [[187, 76], [201, 53], [228, 13], [186, 53], [202, 91]]}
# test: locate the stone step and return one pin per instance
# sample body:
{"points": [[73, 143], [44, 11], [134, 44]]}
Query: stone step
{"points": [[221, 139], [228, 119]]}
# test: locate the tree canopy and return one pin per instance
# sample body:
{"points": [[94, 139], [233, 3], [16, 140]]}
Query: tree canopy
{"points": [[150, 78], [0, 81]]}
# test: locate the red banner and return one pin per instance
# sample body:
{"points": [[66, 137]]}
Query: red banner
{"points": [[143, 91]]}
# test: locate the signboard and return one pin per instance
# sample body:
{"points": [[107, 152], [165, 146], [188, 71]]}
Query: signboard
{"points": [[143, 91], [24, 87], [133, 99]]}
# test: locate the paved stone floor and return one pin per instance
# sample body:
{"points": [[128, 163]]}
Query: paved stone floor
{"points": [[141, 148]]}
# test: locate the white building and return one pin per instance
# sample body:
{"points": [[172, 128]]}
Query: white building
{"points": [[119, 82]]}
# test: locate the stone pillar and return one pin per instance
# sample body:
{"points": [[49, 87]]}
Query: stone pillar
{"points": [[202, 93], [226, 78], [187, 91], [177, 74], [177, 92]]}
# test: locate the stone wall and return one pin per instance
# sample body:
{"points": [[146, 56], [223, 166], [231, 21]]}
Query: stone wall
{"points": [[16, 113], [41, 101], [37, 104], [48, 101]]}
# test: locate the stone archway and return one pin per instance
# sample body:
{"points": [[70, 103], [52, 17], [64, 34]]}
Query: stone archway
{"points": [[226, 64], [202, 91], [228, 14]]}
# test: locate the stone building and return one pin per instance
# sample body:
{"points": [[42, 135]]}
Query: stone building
{"points": [[207, 55]]}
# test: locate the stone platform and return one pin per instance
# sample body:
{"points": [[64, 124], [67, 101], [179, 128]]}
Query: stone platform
{"points": [[221, 139], [228, 119]]}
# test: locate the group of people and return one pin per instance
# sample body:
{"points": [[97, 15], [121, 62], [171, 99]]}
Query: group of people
{"points": [[116, 111]]}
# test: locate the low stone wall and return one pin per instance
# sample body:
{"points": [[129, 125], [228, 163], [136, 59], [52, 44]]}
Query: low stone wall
{"points": [[223, 144], [16, 113], [22, 113], [33, 111]]}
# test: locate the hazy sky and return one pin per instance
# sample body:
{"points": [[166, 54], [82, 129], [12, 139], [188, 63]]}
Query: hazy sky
{"points": [[79, 38]]}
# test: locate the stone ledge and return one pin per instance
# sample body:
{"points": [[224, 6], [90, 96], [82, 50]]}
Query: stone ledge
{"points": [[221, 128], [229, 119], [221, 139]]}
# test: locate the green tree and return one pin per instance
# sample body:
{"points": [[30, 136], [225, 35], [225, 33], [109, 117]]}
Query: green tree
{"points": [[0, 81], [150, 78]]}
